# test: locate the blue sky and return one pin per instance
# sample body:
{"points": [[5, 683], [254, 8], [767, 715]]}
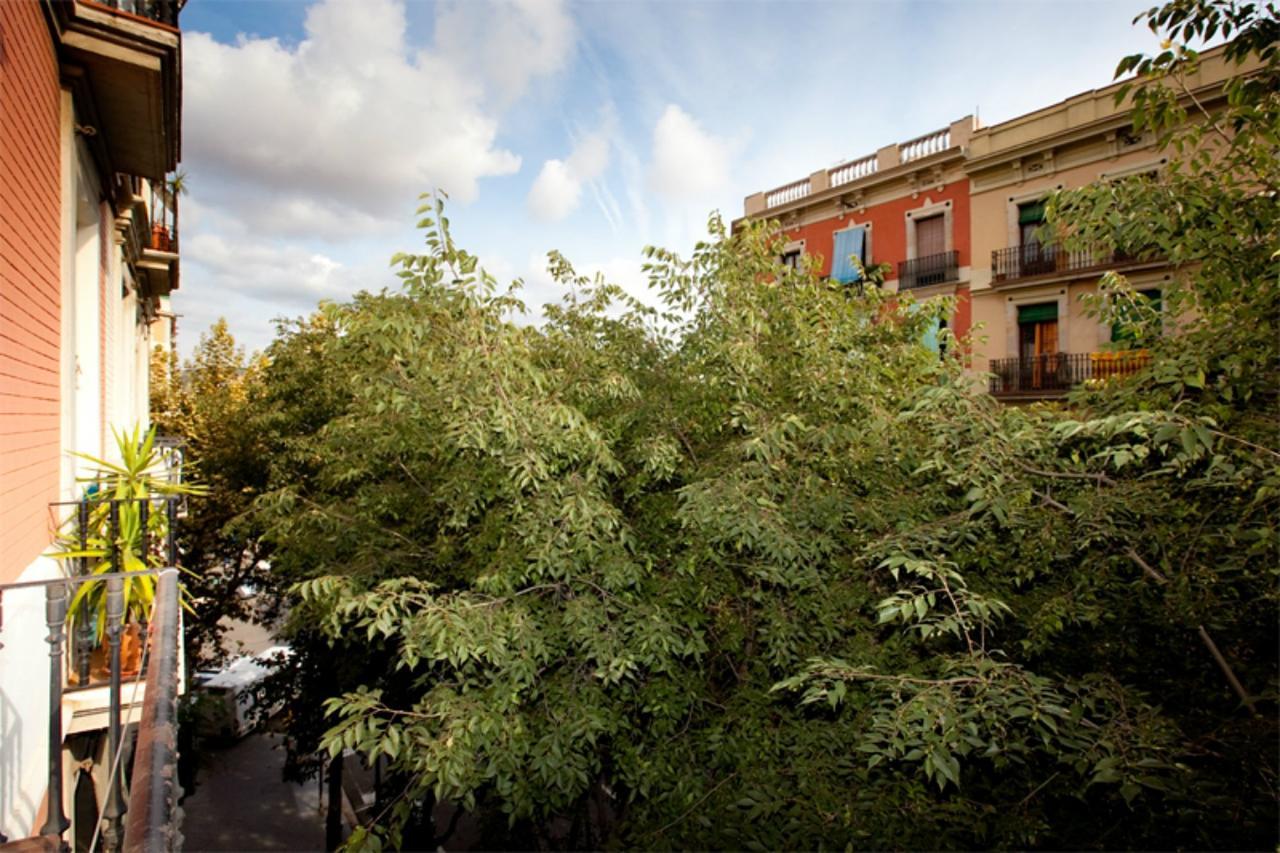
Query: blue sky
{"points": [[593, 128]]}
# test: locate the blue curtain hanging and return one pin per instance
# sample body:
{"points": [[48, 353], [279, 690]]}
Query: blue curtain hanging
{"points": [[851, 241]]}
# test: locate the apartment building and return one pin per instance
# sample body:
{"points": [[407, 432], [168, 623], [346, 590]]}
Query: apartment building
{"points": [[906, 205], [960, 212], [90, 105], [1040, 340]]}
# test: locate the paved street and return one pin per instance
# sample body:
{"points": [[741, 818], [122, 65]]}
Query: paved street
{"points": [[241, 804]]}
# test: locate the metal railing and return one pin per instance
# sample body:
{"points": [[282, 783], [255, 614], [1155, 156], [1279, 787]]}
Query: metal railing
{"points": [[164, 218], [164, 11], [154, 791], [1037, 259], [155, 754], [930, 269], [1057, 373]]}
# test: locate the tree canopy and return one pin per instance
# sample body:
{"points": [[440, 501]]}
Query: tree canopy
{"points": [[757, 569]]}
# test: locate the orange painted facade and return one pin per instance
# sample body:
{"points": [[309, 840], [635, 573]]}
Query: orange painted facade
{"points": [[30, 285], [888, 229]]}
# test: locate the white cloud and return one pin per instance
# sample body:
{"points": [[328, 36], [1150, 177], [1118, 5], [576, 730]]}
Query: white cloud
{"points": [[688, 162], [558, 189], [555, 193], [292, 276], [306, 158], [508, 44], [353, 121]]}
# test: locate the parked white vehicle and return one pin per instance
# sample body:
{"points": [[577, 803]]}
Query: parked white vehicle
{"points": [[230, 707]]}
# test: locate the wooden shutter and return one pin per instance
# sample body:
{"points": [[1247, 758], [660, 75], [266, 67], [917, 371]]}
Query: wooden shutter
{"points": [[931, 236]]}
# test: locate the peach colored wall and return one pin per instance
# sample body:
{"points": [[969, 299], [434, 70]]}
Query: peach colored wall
{"points": [[992, 230], [989, 208], [963, 320], [30, 284]]}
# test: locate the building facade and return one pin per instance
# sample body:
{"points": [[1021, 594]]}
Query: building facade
{"points": [[1019, 290], [907, 206], [90, 104], [1039, 339]]}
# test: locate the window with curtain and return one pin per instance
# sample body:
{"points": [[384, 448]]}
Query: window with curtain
{"points": [[849, 243], [931, 236], [1030, 218]]}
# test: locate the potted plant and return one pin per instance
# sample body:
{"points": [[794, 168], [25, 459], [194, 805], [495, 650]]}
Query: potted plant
{"points": [[165, 196], [160, 237], [134, 542]]}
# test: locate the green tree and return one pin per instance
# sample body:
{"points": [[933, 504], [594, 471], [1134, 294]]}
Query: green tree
{"points": [[758, 570], [209, 404]]}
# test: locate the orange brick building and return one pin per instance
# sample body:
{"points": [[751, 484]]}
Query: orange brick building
{"points": [[30, 285], [90, 99]]}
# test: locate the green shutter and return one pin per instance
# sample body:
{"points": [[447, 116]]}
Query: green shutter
{"points": [[1031, 214], [1038, 313]]}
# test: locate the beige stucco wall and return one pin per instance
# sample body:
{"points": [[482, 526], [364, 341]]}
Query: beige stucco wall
{"points": [[997, 311], [994, 226], [994, 211]]}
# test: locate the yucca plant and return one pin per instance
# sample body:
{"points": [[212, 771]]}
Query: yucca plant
{"points": [[136, 479]]}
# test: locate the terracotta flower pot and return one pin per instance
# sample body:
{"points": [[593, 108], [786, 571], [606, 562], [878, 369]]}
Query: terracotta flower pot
{"points": [[130, 655], [160, 238]]}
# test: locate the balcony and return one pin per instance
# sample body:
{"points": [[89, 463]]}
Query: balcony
{"points": [[122, 61], [929, 270], [1053, 260], [161, 11], [131, 693], [158, 263], [1055, 374]]}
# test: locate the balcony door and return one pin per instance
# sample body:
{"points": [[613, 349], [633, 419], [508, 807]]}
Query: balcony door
{"points": [[931, 246], [1036, 258], [1038, 345]]}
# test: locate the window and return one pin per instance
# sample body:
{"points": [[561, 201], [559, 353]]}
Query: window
{"points": [[1038, 361], [1037, 330], [931, 236], [849, 243], [1030, 218], [790, 260], [933, 337], [1035, 258]]}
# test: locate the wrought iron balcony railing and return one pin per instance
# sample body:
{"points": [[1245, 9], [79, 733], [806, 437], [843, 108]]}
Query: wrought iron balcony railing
{"points": [[1045, 259], [144, 817], [930, 269], [1057, 373], [164, 11], [164, 218]]}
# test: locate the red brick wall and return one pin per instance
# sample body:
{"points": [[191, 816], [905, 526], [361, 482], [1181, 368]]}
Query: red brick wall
{"points": [[30, 313]]}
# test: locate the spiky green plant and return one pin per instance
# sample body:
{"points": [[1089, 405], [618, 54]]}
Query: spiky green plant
{"points": [[137, 477]]}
